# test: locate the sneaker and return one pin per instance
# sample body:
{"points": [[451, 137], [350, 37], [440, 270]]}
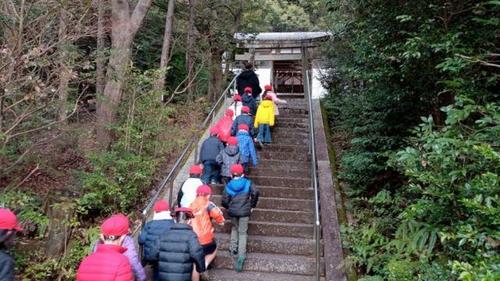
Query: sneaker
{"points": [[261, 145], [239, 263]]}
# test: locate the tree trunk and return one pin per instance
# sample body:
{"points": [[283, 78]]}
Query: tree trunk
{"points": [[65, 71], [101, 57], [189, 50], [124, 27], [165, 50], [215, 73]]}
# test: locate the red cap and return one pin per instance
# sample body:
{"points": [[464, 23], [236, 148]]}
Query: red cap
{"points": [[237, 98], [116, 225], [214, 131], [229, 112], [245, 109], [204, 190], [243, 127], [195, 170], [248, 90], [237, 169], [161, 206], [232, 141], [268, 88], [8, 220]]}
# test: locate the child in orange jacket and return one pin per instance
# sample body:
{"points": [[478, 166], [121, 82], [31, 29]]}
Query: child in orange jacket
{"points": [[204, 211]]}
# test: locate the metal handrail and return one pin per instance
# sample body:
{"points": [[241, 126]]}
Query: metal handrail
{"points": [[194, 140], [314, 178]]}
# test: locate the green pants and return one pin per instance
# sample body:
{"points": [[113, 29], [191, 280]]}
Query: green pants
{"points": [[239, 235]]}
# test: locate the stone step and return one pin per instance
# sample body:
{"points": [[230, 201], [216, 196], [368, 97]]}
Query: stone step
{"points": [[276, 203], [284, 130], [281, 181], [292, 124], [285, 148], [271, 245], [280, 164], [273, 191], [285, 138], [232, 275], [274, 263], [284, 171], [284, 216], [294, 110], [298, 230], [277, 155], [294, 134]]}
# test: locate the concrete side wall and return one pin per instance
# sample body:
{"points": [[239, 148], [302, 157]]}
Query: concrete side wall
{"points": [[333, 254]]}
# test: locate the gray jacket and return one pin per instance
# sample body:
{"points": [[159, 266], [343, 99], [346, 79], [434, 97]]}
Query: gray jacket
{"points": [[227, 157]]}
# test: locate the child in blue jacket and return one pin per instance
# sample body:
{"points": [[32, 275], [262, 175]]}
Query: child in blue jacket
{"points": [[247, 147]]}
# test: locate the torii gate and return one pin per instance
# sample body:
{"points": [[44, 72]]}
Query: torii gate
{"points": [[282, 58]]}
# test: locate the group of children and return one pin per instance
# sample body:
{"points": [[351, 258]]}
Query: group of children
{"points": [[180, 245], [249, 124]]}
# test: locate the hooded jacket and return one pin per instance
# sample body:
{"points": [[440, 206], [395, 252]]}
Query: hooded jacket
{"points": [[178, 250], [132, 256], [210, 148], [224, 126], [6, 266], [239, 197], [161, 223], [265, 114], [242, 119], [204, 211], [187, 192], [248, 78], [107, 264], [247, 148], [249, 100], [276, 100], [227, 157]]}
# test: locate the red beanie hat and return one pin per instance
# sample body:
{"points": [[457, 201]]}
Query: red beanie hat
{"points": [[237, 98], [237, 169], [161, 206], [229, 112], [8, 220], [214, 131], [116, 225], [268, 88], [243, 127], [245, 109], [195, 170], [248, 90], [232, 141], [203, 190]]}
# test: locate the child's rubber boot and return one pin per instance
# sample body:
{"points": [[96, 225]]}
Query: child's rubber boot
{"points": [[239, 263]]}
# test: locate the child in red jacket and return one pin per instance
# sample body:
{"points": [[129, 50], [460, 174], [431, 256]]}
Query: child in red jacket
{"points": [[108, 262]]}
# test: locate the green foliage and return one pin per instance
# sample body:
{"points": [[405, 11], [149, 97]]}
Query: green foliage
{"points": [[424, 200], [28, 207]]}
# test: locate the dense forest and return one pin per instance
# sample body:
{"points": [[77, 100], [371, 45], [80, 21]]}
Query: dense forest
{"points": [[97, 98]]}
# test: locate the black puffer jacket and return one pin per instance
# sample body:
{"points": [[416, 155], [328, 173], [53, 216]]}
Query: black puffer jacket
{"points": [[179, 249], [240, 197], [248, 78], [210, 148], [6, 266]]}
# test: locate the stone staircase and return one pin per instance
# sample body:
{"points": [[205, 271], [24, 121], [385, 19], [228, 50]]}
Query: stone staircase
{"points": [[280, 242]]}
